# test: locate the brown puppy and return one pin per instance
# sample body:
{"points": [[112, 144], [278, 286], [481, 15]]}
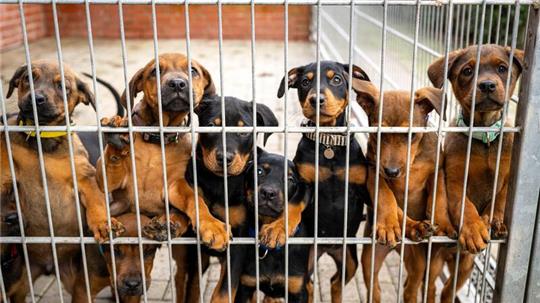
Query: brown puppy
{"points": [[393, 157], [174, 87], [129, 282], [491, 97], [50, 111]]}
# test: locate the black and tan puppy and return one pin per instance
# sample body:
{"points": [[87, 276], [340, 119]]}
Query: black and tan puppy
{"points": [[271, 205], [332, 103], [129, 275], [50, 112], [491, 96], [210, 170], [395, 108]]}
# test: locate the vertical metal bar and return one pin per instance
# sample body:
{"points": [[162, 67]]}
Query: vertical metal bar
{"points": [[40, 151], [70, 146], [469, 145], [490, 26], [100, 138], [285, 143], [224, 138], [498, 31], [533, 279], [456, 34], [523, 191], [16, 194], [378, 152], [193, 151], [2, 286], [508, 14], [130, 128], [409, 141], [163, 160]]}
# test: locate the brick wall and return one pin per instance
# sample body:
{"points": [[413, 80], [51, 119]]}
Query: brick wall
{"points": [[171, 23]]}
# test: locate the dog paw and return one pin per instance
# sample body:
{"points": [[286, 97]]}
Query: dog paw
{"points": [[118, 140], [420, 230], [388, 233], [156, 229], [273, 235], [446, 229], [101, 230], [498, 229], [474, 236], [214, 234]]}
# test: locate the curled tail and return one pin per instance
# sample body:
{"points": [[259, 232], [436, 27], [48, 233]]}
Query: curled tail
{"points": [[120, 111]]}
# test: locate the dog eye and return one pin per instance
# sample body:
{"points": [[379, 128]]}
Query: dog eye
{"points": [[291, 180], [467, 71], [337, 80], [305, 82], [194, 72], [244, 134], [502, 69], [260, 171]]}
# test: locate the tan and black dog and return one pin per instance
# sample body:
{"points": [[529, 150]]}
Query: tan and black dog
{"points": [[491, 96], [175, 91], [50, 112], [393, 165], [129, 276]]}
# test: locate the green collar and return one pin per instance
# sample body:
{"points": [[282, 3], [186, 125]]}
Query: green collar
{"points": [[485, 137]]}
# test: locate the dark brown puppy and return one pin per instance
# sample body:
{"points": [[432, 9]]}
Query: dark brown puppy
{"points": [[491, 97], [393, 165], [129, 281], [50, 111]]}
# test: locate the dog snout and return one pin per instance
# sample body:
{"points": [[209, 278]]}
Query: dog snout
{"points": [[178, 84], [313, 100], [392, 172], [220, 158], [40, 99], [133, 282], [268, 194], [487, 86]]}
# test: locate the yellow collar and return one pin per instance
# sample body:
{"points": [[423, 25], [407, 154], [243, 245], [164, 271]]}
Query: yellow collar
{"points": [[42, 134]]}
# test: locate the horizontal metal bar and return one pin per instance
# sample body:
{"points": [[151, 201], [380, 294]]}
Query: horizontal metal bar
{"points": [[267, 129], [239, 240], [278, 2]]}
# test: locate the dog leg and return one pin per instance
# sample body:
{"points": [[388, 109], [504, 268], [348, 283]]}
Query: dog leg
{"points": [[415, 263], [380, 254], [465, 268], [444, 226], [435, 269], [498, 228], [351, 265]]}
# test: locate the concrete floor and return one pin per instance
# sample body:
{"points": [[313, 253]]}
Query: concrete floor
{"points": [[237, 81]]}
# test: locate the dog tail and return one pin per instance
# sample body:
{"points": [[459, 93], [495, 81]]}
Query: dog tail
{"points": [[120, 111]]}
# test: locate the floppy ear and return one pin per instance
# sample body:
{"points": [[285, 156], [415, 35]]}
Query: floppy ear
{"points": [[85, 95], [14, 82], [436, 69], [135, 86], [292, 80], [357, 72], [209, 89], [265, 117], [367, 95], [431, 98], [204, 104], [518, 58]]}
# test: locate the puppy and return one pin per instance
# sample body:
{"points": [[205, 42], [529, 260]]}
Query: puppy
{"points": [[333, 101], [129, 277], [393, 164], [50, 112], [210, 161], [271, 204], [491, 96]]}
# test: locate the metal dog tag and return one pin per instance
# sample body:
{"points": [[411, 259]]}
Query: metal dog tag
{"points": [[329, 153]]}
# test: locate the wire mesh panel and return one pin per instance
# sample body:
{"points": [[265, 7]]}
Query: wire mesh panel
{"points": [[402, 126]]}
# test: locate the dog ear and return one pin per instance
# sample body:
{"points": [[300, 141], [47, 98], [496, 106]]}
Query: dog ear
{"points": [[518, 57], [204, 104], [135, 86], [367, 95], [266, 117], [436, 69], [357, 72], [209, 89], [431, 98], [292, 80], [14, 82], [85, 95]]}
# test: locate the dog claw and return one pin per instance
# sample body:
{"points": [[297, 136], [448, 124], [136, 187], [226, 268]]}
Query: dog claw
{"points": [[156, 229]]}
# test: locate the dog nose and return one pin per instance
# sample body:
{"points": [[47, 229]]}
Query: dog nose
{"points": [[178, 84], [392, 171], [133, 283], [40, 99], [220, 158], [487, 86], [268, 194], [313, 100]]}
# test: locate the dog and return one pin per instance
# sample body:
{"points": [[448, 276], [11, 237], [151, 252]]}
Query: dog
{"points": [[129, 275], [211, 158], [422, 172], [56, 157], [333, 101], [491, 96], [271, 204]]}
